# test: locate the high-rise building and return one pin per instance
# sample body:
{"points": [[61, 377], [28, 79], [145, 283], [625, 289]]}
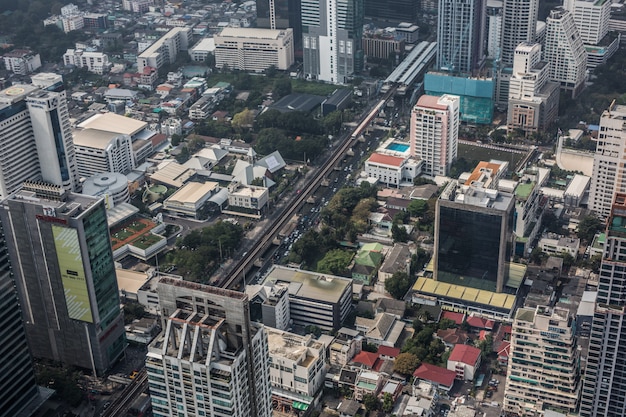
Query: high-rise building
{"points": [[209, 360], [604, 386], [519, 21], [35, 139], [519, 24], [591, 17], [63, 265], [461, 35], [493, 28], [392, 10], [609, 161], [434, 133], [473, 234], [533, 99], [17, 377], [544, 363], [281, 14], [331, 40], [563, 48]]}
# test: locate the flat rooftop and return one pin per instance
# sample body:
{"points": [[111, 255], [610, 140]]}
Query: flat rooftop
{"points": [[468, 294], [94, 138], [111, 122], [310, 285], [15, 93], [252, 33], [193, 192]]}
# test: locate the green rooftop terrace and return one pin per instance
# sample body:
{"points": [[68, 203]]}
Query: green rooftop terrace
{"points": [[617, 225], [523, 190]]}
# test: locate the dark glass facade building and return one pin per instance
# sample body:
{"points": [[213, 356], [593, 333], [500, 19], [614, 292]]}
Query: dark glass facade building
{"points": [[17, 377], [281, 14], [392, 10], [473, 239]]}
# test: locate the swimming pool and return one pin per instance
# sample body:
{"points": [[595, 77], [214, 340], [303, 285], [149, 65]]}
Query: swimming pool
{"points": [[398, 147]]}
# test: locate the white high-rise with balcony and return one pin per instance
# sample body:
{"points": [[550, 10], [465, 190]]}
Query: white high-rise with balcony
{"points": [[591, 18], [544, 364], [609, 163], [563, 48], [434, 134]]}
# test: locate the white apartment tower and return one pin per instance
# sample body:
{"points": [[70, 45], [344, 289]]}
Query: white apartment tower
{"points": [[332, 32], [591, 18], [253, 49], [35, 139], [544, 364], [609, 161], [434, 132], [563, 48], [604, 388], [519, 21], [209, 360]]}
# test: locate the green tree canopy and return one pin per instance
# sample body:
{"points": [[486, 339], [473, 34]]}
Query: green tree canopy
{"points": [[406, 363], [335, 262], [588, 227], [398, 284]]}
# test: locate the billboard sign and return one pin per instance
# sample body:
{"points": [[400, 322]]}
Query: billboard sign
{"points": [[72, 273]]}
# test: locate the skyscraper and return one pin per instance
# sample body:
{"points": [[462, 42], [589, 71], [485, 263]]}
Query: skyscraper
{"points": [[604, 386], [461, 35], [331, 40], [563, 48], [434, 132], [35, 139], [544, 363], [591, 17], [609, 162], [519, 24], [493, 28], [63, 265], [209, 360], [519, 21], [17, 377], [474, 233], [281, 14]]}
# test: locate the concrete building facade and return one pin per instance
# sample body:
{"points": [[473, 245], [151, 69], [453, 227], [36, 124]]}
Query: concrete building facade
{"points": [[331, 40], [164, 50], [35, 139], [63, 265], [608, 163], [461, 35], [563, 48], [604, 388], [96, 62], [21, 61], [255, 50], [209, 360], [434, 133], [544, 363]]}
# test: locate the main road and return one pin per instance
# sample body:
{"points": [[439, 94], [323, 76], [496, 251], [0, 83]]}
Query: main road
{"points": [[239, 268]]}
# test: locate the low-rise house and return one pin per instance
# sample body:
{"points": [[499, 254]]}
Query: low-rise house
{"points": [[384, 329], [464, 360], [441, 378], [367, 383]]}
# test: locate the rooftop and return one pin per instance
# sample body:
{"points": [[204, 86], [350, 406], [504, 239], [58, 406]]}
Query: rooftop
{"points": [[252, 33], [94, 138], [436, 374], [467, 294], [465, 354], [192, 192], [379, 158], [310, 285], [111, 122]]}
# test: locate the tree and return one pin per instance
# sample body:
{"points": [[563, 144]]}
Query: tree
{"points": [[398, 284], [446, 323], [485, 345], [387, 402], [133, 311], [176, 139], [371, 402], [406, 363], [332, 122], [417, 207], [335, 262], [588, 227], [399, 233], [242, 120], [281, 88]]}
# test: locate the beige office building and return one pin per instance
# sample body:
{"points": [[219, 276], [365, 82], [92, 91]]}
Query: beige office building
{"points": [[252, 49]]}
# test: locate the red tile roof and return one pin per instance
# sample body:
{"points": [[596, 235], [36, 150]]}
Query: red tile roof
{"points": [[379, 158], [392, 352], [455, 317], [480, 323], [465, 354], [504, 349], [368, 359], [436, 374]]}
